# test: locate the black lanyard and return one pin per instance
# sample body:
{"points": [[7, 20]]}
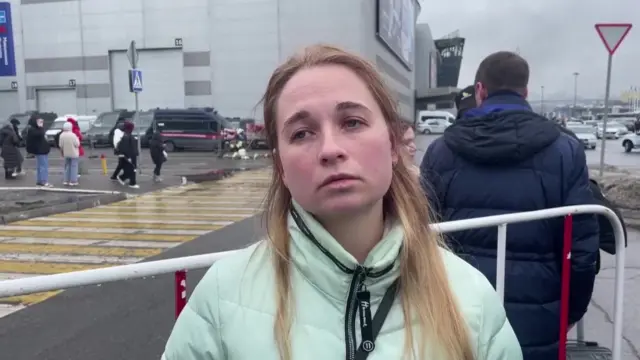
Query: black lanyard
{"points": [[367, 346]]}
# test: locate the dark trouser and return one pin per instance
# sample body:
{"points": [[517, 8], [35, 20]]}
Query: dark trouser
{"points": [[128, 172], [119, 167], [157, 168]]}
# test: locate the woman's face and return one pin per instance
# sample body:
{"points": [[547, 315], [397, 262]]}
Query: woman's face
{"points": [[333, 142], [409, 142]]}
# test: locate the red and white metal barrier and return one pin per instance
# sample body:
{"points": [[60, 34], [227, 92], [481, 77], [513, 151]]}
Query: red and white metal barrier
{"points": [[179, 266]]}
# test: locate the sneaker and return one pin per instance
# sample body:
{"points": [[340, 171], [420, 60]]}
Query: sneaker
{"points": [[73, 184], [135, 186], [47, 185], [65, 183]]}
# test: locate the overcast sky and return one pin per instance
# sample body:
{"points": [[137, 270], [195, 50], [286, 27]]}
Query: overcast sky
{"points": [[557, 37]]}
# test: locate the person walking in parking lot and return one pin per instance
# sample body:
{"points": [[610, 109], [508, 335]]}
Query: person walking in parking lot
{"points": [[128, 149], [117, 136], [38, 145], [69, 145], [158, 155]]}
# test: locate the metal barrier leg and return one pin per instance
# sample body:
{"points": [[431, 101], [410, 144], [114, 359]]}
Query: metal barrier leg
{"points": [[580, 330], [501, 260], [181, 291]]}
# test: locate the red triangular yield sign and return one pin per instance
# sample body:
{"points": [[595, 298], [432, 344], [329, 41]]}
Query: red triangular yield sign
{"points": [[612, 35]]}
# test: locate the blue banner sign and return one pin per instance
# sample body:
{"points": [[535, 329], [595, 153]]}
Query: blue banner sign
{"points": [[7, 53]]}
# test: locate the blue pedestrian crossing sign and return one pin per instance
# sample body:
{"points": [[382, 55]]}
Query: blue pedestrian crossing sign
{"points": [[135, 80]]}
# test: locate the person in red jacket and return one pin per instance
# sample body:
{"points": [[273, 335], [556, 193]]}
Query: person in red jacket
{"points": [[75, 128]]}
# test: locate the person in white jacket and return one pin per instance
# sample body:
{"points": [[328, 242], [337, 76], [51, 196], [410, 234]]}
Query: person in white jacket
{"points": [[117, 136]]}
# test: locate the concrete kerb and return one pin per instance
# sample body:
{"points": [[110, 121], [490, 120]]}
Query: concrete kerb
{"points": [[102, 198]]}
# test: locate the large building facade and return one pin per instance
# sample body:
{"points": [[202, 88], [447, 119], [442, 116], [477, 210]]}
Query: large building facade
{"points": [[70, 55]]}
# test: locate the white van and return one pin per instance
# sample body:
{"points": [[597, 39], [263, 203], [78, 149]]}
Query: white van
{"points": [[84, 122], [433, 122]]}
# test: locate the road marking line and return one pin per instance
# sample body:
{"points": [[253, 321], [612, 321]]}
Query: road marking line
{"points": [[83, 234], [83, 242], [201, 204], [30, 299], [45, 268], [124, 223], [88, 230], [74, 259], [106, 251], [154, 215], [11, 276], [161, 208]]}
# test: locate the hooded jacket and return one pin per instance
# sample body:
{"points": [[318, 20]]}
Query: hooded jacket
{"points": [[128, 145], [503, 158], [232, 310], [156, 148], [76, 130], [37, 143], [9, 141]]}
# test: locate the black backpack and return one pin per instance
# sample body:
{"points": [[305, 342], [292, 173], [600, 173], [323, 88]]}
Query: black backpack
{"points": [[607, 238]]}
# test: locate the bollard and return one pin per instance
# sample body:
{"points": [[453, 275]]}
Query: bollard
{"points": [[103, 162], [181, 291]]}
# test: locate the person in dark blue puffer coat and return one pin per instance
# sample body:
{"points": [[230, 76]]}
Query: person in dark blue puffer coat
{"points": [[502, 158]]}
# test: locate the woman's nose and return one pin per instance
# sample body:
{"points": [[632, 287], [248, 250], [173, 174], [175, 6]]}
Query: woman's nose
{"points": [[331, 150]]}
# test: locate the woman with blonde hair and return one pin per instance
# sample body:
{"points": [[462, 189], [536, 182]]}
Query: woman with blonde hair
{"points": [[350, 268]]}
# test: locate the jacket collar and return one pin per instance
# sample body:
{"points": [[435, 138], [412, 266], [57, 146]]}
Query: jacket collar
{"points": [[503, 100], [322, 260]]}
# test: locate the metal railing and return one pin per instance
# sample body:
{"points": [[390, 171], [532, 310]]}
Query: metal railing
{"points": [[179, 266]]}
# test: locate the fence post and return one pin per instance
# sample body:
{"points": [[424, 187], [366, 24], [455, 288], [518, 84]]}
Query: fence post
{"points": [[565, 273], [181, 291]]}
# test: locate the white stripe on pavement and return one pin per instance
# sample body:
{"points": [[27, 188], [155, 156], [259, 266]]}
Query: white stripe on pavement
{"points": [[104, 230], [11, 276], [134, 213], [72, 259], [134, 221], [134, 207], [6, 309], [97, 243]]}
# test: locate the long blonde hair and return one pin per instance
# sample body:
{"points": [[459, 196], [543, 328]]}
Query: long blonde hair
{"points": [[423, 284]]}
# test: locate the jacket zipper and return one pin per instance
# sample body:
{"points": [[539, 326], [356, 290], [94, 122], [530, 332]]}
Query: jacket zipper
{"points": [[358, 297], [351, 311]]}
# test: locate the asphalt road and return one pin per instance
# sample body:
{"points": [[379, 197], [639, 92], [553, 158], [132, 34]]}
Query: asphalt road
{"points": [[122, 320]]}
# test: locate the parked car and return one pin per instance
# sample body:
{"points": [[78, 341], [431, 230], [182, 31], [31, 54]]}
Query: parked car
{"points": [[101, 133], [433, 126], [84, 122], [614, 130], [630, 142], [584, 134], [183, 129]]}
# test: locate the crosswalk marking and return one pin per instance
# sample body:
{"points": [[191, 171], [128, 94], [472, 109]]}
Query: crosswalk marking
{"points": [[124, 232]]}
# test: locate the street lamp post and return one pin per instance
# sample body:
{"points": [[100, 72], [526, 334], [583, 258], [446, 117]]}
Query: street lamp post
{"points": [[542, 99], [575, 93]]}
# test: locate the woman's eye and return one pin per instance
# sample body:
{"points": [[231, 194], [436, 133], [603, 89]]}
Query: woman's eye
{"points": [[298, 135], [352, 123]]}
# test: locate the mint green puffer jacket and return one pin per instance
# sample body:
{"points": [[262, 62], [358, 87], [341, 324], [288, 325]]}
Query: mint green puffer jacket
{"points": [[230, 315]]}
